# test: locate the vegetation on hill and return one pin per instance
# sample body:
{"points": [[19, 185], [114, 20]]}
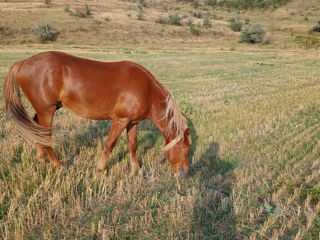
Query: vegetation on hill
{"points": [[245, 4]]}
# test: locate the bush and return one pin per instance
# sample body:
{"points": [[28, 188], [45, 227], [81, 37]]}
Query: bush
{"points": [[143, 3], [66, 9], [83, 12], [174, 19], [206, 22], [196, 4], [252, 34], [316, 28], [210, 2], [87, 10], [236, 24], [194, 31], [162, 20], [43, 31], [197, 15], [140, 15]]}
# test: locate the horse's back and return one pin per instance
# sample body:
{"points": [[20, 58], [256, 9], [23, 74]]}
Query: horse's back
{"points": [[91, 89]]}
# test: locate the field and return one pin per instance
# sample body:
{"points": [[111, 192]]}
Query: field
{"points": [[253, 111], [255, 161]]}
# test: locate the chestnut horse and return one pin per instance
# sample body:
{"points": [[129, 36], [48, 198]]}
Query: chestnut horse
{"points": [[124, 92]]}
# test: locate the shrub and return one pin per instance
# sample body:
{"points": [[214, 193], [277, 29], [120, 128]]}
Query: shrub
{"points": [[174, 19], [252, 34], [143, 3], [210, 2], [206, 22], [83, 13], [316, 28], [194, 31], [66, 9], [87, 10], [140, 15], [197, 15], [236, 24], [43, 31], [196, 4], [162, 20], [70, 42], [47, 2]]}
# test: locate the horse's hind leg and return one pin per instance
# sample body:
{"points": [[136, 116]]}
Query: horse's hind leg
{"points": [[132, 144], [45, 119], [39, 148]]}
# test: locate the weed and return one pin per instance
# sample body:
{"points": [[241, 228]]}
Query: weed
{"points": [[271, 209]]}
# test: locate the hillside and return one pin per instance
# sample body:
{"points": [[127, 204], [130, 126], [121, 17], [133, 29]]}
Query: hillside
{"points": [[116, 23]]}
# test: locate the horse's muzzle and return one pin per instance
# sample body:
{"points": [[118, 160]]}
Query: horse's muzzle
{"points": [[181, 173]]}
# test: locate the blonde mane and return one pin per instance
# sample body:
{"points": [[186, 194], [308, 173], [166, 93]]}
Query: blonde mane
{"points": [[175, 121]]}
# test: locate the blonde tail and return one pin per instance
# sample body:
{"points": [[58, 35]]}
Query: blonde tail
{"points": [[31, 130]]}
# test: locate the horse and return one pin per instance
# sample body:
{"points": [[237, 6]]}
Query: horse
{"points": [[124, 92]]}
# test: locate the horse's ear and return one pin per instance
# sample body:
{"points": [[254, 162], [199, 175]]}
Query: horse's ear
{"points": [[187, 136]]}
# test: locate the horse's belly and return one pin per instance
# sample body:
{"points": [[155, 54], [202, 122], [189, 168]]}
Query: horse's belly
{"points": [[87, 111]]}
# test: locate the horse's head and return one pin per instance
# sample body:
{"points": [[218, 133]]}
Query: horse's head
{"points": [[178, 154]]}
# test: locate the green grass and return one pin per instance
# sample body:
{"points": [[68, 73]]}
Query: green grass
{"points": [[254, 121]]}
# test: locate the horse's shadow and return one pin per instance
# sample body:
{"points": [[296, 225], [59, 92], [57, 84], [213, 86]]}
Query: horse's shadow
{"points": [[213, 210]]}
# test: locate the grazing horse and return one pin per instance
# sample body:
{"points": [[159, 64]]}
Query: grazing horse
{"points": [[124, 92]]}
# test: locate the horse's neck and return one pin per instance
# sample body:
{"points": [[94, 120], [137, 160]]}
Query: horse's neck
{"points": [[168, 134], [161, 121]]}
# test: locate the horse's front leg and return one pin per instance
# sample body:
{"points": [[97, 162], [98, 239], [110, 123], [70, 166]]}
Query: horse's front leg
{"points": [[117, 127]]}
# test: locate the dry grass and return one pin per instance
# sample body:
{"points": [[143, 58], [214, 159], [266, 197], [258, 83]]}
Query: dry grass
{"points": [[255, 162], [253, 111]]}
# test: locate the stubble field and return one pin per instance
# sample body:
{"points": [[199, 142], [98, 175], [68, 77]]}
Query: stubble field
{"points": [[255, 169]]}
